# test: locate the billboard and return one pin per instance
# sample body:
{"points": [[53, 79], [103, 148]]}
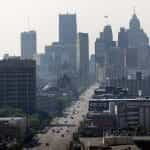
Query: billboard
{"points": [[98, 106]]}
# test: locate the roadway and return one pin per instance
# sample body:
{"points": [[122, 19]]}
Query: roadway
{"points": [[59, 137]]}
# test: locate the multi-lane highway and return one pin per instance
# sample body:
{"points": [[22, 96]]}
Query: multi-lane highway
{"points": [[59, 137]]}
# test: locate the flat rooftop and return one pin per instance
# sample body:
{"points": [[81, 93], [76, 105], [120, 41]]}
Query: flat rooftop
{"points": [[11, 118], [142, 138], [99, 142], [139, 99]]}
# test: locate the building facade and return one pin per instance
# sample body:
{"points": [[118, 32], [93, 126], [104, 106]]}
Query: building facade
{"points": [[68, 38], [60, 58], [18, 83], [84, 59], [28, 45], [67, 29], [128, 55], [134, 114], [92, 69]]}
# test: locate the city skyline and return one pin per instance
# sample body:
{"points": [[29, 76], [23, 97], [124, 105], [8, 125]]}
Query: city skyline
{"points": [[43, 17]]}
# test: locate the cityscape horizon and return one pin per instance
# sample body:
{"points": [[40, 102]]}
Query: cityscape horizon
{"points": [[78, 80], [46, 24]]}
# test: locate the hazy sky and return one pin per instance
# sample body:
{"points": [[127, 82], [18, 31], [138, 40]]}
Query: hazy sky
{"points": [[44, 19]]}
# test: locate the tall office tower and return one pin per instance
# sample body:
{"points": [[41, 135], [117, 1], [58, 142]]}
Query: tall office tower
{"points": [[92, 68], [84, 58], [92, 64], [67, 29], [138, 39], [108, 36], [136, 36], [28, 45], [103, 44], [18, 83], [68, 39], [100, 58], [123, 39]]}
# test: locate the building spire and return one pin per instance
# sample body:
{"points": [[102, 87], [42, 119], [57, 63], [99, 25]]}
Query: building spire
{"points": [[134, 22], [134, 10], [28, 23], [106, 20]]}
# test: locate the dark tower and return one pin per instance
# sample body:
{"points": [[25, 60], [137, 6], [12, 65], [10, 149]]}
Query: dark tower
{"points": [[108, 36], [84, 58], [67, 29], [135, 23], [28, 45], [123, 38]]}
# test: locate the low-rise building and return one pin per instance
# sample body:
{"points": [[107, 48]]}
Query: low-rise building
{"points": [[130, 113], [12, 128]]}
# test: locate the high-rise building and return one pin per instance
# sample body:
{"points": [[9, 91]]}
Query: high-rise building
{"points": [[123, 38], [92, 69], [137, 38], [135, 23], [100, 58], [115, 63], [103, 46], [68, 40], [84, 58], [108, 36], [132, 58], [28, 45], [92, 65], [18, 83], [67, 29], [129, 56]]}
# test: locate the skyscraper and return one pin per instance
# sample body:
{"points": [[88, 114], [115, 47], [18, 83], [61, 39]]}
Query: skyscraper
{"points": [[123, 38], [103, 45], [137, 38], [28, 45], [84, 58], [92, 68], [135, 23], [67, 29], [108, 36], [68, 39]]}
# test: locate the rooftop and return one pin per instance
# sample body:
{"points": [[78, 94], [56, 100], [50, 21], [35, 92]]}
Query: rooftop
{"points": [[138, 99], [11, 118]]}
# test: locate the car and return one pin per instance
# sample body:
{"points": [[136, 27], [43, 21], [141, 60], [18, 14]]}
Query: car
{"points": [[83, 116], [33, 143], [57, 131], [65, 121], [45, 130], [47, 144], [62, 135]]}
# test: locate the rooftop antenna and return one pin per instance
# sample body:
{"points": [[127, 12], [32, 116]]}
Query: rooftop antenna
{"points": [[106, 20], [134, 10], [28, 23]]}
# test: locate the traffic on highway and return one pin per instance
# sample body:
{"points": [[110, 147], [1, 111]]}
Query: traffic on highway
{"points": [[59, 134]]}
